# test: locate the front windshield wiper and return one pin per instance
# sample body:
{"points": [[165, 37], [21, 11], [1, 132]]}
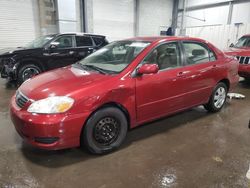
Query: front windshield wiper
{"points": [[92, 67], [96, 68]]}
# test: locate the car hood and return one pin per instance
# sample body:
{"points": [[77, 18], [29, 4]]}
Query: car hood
{"points": [[238, 52], [12, 51], [61, 82]]}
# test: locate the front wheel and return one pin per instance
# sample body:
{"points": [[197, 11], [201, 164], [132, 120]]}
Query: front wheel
{"points": [[26, 72], [218, 98], [105, 130]]}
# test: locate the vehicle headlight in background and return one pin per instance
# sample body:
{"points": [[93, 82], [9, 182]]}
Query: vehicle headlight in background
{"points": [[51, 105]]}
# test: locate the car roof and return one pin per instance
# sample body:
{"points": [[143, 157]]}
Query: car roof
{"points": [[165, 38], [81, 34]]}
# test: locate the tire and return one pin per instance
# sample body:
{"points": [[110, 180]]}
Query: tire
{"points": [[219, 93], [27, 71], [107, 123], [247, 79]]}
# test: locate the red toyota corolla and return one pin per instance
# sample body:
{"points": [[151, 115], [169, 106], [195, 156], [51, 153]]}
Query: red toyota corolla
{"points": [[125, 84], [241, 50]]}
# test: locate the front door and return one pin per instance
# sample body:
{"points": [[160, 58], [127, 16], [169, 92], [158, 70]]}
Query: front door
{"points": [[61, 52], [161, 93]]}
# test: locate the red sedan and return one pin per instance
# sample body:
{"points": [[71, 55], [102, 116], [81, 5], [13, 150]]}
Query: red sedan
{"points": [[124, 84], [241, 50]]}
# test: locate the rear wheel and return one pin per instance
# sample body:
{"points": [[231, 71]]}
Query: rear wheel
{"points": [[218, 98], [26, 72], [105, 130]]}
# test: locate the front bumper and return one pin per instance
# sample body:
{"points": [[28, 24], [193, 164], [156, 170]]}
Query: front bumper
{"points": [[244, 71], [8, 72], [52, 132]]}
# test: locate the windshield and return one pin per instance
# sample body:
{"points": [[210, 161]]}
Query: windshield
{"points": [[39, 42], [114, 57], [243, 42]]}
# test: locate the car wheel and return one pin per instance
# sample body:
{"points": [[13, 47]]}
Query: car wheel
{"points": [[247, 79], [26, 72], [105, 130], [218, 98]]}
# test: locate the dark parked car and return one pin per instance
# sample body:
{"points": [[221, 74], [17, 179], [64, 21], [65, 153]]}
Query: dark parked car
{"points": [[46, 53]]}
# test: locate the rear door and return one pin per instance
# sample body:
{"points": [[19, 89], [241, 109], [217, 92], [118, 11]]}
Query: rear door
{"points": [[199, 73], [84, 46]]}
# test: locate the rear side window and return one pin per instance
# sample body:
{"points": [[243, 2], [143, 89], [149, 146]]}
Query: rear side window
{"points": [[197, 53], [99, 40], [83, 41]]}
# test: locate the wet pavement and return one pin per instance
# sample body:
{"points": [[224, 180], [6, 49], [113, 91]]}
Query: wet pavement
{"points": [[190, 149]]}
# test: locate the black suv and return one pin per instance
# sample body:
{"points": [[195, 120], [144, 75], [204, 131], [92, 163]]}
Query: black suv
{"points": [[46, 53]]}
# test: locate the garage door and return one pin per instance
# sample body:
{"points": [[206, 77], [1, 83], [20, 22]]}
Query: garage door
{"points": [[17, 22], [113, 18]]}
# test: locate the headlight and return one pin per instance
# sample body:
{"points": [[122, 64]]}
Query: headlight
{"points": [[51, 105]]}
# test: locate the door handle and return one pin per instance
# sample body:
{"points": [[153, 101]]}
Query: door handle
{"points": [[71, 52], [182, 73], [214, 66]]}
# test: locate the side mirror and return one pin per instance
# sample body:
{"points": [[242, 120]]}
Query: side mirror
{"points": [[231, 45], [53, 45], [148, 69]]}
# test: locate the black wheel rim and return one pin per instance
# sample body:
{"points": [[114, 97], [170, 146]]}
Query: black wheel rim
{"points": [[29, 73], [106, 131]]}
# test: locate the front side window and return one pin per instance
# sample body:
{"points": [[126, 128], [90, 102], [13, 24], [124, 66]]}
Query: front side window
{"points": [[196, 53], [243, 42], [166, 56], [65, 41], [83, 41], [114, 57]]}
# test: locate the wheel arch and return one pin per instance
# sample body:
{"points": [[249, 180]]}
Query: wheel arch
{"points": [[31, 61], [225, 81], [105, 105]]}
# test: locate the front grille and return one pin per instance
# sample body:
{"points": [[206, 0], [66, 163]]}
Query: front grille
{"points": [[21, 100], [243, 60]]}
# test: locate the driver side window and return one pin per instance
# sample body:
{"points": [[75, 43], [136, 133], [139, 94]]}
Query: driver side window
{"points": [[166, 56], [64, 42]]}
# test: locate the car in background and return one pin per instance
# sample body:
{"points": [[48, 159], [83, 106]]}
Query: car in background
{"points": [[47, 53], [241, 50], [126, 83]]}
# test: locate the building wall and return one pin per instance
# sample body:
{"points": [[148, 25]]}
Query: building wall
{"points": [[212, 23], [154, 16], [122, 19], [47, 14], [113, 18], [19, 22]]}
